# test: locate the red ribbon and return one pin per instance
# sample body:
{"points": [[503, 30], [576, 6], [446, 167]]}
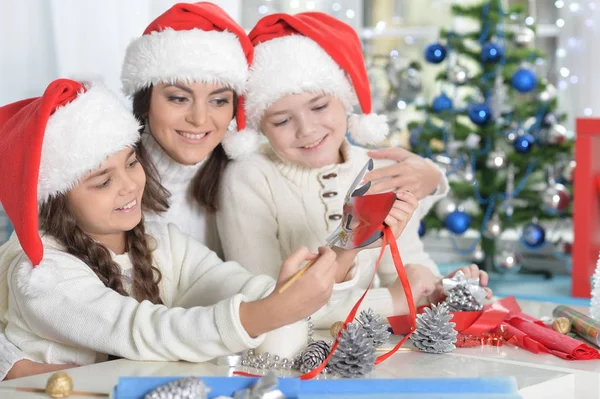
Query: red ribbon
{"points": [[388, 239]]}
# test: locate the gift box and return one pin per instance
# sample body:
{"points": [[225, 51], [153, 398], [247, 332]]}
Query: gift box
{"points": [[294, 388]]}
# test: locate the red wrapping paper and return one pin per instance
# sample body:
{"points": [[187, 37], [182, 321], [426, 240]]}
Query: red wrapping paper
{"points": [[558, 344]]}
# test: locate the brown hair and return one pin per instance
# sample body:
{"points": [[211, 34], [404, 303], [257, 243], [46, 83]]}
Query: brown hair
{"points": [[56, 219], [206, 183]]}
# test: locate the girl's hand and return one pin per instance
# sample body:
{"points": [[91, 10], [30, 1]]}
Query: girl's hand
{"points": [[25, 368], [303, 298]]}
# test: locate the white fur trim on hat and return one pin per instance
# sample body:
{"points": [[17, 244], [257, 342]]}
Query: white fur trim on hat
{"points": [[288, 65], [188, 55], [368, 129], [39, 280], [80, 136], [239, 144]]}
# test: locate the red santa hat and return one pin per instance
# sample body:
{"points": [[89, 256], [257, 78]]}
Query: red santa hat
{"points": [[49, 143], [195, 42], [310, 51]]}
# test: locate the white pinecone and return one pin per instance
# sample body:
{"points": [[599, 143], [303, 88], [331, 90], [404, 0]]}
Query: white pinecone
{"points": [[355, 354], [185, 388], [375, 327], [459, 299], [595, 302], [312, 357], [435, 332]]}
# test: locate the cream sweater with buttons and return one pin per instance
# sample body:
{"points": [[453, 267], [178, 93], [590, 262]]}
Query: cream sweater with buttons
{"points": [[270, 207], [80, 321]]}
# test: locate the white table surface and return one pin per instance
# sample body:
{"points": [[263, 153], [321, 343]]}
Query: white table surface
{"points": [[540, 376]]}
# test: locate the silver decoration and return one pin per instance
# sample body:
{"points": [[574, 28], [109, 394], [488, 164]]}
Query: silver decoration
{"points": [[509, 207], [265, 388], [494, 227], [556, 198], [528, 125], [472, 141], [409, 84], [548, 94], [375, 327], [185, 388], [458, 74], [472, 285], [459, 299], [444, 207], [468, 174], [568, 170], [435, 332], [496, 159], [524, 36], [550, 119], [498, 102], [510, 137], [507, 261], [355, 354]]}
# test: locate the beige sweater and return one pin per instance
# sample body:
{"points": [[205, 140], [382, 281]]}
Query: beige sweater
{"points": [[269, 207]]}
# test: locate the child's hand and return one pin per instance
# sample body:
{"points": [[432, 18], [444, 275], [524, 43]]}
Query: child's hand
{"points": [[303, 298], [470, 272], [399, 215], [422, 284]]}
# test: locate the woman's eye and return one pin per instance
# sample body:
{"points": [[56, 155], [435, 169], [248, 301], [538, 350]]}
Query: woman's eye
{"points": [[177, 99]]}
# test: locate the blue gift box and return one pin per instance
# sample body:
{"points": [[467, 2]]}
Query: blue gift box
{"points": [[294, 388]]}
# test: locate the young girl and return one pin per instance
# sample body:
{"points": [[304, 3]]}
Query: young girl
{"points": [[308, 71], [88, 278]]}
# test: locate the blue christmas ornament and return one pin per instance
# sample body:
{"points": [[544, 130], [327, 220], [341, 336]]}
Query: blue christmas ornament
{"points": [[491, 52], [435, 53], [533, 236], [441, 103], [524, 80], [422, 229], [480, 114], [458, 222], [523, 143]]}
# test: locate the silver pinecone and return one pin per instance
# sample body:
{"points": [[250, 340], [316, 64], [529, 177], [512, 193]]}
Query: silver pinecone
{"points": [[314, 354], [435, 332], [355, 354], [460, 300], [375, 327], [185, 388]]}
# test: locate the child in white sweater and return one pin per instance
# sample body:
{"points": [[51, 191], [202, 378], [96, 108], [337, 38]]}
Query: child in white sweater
{"points": [[308, 71], [87, 278]]}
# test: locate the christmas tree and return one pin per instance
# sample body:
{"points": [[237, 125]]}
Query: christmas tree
{"points": [[494, 128]]}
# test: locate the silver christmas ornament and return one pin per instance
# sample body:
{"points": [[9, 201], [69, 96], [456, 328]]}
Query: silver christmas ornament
{"points": [[445, 207], [524, 36], [472, 141], [494, 227], [548, 94], [510, 137], [568, 170], [507, 261], [496, 159], [435, 332], [556, 198], [555, 134], [468, 174], [410, 84], [185, 388], [498, 102], [458, 74], [550, 119], [478, 255]]}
